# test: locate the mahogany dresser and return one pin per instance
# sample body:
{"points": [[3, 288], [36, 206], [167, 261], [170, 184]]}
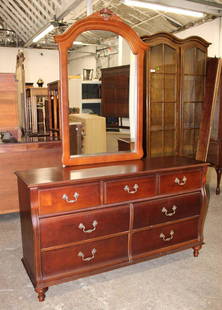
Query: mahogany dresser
{"points": [[78, 221]]}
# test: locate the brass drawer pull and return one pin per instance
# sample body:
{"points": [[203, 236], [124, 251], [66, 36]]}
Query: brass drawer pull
{"points": [[66, 198], [83, 228], [165, 211], [181, 183], [162, 236], [87, 259], [135, 188]]}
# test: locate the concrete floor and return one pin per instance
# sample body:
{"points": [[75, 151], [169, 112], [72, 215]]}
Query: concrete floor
{"points": [[174, 282]]}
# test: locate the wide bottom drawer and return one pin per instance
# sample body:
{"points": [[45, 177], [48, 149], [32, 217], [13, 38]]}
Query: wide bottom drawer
{"points": [[164, 236], [85, 256]]}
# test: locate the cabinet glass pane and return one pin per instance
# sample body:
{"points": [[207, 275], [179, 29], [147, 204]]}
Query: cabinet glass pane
{"points": [[157, 87], [199, 88], [156, 143], [193, 88], [156, 116], [156, 58], [188, 142], [197, 114], [170, 88], [170, 60], [200, 62], [170, 115], [188, 115], [169, 142], [189, 60]]}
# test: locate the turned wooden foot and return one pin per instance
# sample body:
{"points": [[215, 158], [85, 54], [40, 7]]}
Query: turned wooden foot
{"points": [[218, 171], [196, 250], [41, 293]]}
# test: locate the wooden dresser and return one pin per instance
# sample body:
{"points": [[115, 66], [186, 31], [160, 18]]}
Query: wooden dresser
{"points": [[78, 221]]}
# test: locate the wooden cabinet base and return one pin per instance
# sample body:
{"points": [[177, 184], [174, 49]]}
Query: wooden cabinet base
{"points": [[129, 214]]}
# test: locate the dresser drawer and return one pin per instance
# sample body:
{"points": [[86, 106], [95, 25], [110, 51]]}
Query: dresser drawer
{"points": [[67, 198], [129, 189], [164, 236], [84, 257], [85, 225], [168, 209], [180, 181]]}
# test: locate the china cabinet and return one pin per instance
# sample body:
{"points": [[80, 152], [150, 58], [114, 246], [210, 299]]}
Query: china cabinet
{"points": [[175, 83], [107, 210]]}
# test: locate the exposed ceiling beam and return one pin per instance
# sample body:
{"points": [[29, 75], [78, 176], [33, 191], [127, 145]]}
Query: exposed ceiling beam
{"points": [[9, 22], [208, 7], [25, 20], [67, 6], [17, 21], [32, 17]]}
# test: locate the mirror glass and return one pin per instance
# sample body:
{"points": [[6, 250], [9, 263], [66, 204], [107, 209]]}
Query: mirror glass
{"points": [[102, 97]]}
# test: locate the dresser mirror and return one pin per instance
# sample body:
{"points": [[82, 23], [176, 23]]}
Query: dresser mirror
{"points": [[101, 73]]}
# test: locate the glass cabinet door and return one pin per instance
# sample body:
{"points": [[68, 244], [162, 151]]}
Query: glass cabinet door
{"points": [[193, 84], [162, 84]]}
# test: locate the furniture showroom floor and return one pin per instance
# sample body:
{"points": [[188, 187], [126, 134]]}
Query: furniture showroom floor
{"points": [[174, 282]]}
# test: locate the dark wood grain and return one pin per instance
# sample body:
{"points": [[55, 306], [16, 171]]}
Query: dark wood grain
{"points": [[137, 188], [65, 229], [148, 240], [42, 177], [77, 197], [67, 259], [164, 210]]}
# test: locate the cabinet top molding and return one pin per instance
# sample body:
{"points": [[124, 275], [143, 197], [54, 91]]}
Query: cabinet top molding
{"points": [[173, 38]]}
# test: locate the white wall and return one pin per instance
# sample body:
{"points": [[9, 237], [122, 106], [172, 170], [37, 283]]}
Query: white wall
{"points": [[39, 63], [211, 32]]}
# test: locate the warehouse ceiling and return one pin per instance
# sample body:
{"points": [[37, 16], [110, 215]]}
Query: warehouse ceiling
{"points": [[22, 20]]}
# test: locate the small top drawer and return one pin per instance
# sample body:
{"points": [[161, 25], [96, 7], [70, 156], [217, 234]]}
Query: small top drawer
{"points": [[68, 198], [180, 181], [129, 189]]}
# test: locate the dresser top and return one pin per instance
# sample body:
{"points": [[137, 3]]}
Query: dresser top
{"points": [[61, 175]]}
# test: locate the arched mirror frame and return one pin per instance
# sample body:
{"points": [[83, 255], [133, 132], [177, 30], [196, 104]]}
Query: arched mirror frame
{"points": [[107, 21]]}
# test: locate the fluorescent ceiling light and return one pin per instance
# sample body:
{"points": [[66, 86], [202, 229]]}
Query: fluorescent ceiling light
{"points": [[159, 7], [79, 43], [82, 43], [43, 33]]}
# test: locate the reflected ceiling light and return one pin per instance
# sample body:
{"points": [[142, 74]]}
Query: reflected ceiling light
{"points": [[43, 33], [160, 7], [82, 43]]}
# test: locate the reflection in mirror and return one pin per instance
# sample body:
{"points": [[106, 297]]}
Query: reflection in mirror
{"points": [[102, 74]]}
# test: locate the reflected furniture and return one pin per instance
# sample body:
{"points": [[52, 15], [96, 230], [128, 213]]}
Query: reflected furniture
{"points": [[101, 212], [93, 132], [175, 84], [76, 137], [54, 108], [115, 92]]}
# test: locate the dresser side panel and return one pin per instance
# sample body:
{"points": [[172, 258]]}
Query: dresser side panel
{"points": [[27, 230]]}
